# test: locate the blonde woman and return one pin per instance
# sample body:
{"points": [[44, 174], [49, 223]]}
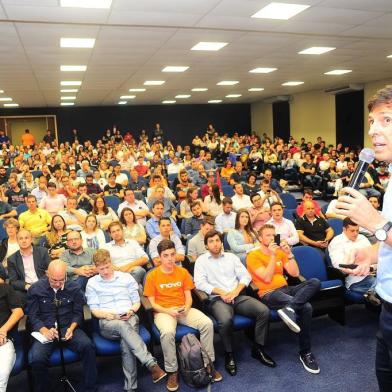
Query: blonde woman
{"points": [[92, 236], [10, 244], [132, 229], [56, 237]]}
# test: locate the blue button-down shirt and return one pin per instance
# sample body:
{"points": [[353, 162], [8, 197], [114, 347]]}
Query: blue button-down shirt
{"points": [[152, 227], [41, 308], [115, 295]]}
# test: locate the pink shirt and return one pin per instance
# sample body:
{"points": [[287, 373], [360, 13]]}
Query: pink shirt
{"points": [[28, 264], [53, 204]]}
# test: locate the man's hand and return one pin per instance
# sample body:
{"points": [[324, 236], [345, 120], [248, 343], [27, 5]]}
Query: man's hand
{"points": [[127, 316], [321, 244], [68, 334], [50, 334], [84, 270], [358, 256], [285, 247], [3, 337], [273, 248], [174, 312]]}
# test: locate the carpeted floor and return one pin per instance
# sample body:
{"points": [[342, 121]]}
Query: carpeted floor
{"points": [[345, 355]]}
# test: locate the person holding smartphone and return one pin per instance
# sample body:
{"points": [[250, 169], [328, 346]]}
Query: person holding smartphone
{"points": [[267, 265], [168, 287]]}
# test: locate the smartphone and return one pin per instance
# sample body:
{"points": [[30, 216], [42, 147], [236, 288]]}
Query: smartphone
{"points": [[348, 266], [277, 239], [123, 314], [181, 310]]}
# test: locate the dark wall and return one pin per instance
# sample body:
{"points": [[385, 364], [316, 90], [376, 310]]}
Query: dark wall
{"points": [[179, 122], [281, 119], [349, 119]]}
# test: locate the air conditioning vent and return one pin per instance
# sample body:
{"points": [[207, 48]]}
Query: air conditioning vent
{"points": [[344, 89], [278, 98]]}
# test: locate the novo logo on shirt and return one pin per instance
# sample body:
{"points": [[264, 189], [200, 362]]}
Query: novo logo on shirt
{"points": [[170, 285]]}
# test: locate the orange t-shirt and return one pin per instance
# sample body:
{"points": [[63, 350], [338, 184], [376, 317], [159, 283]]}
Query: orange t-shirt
{"points": [[168, 289], [28, 139], [257, 259]]}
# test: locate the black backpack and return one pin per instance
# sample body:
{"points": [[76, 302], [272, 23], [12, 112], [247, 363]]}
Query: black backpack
{"points": [[191, 363]]}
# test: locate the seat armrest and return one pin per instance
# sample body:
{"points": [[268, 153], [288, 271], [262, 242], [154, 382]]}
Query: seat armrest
{"points": [[22, 324], [86, 313], [200, 295], [145, 303]]}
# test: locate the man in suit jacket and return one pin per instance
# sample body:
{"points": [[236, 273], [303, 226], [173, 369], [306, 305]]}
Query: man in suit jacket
{"points": [[28, 264]]}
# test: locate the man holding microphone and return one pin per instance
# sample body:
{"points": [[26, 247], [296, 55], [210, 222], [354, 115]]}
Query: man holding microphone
{"points": [[355, 206]]}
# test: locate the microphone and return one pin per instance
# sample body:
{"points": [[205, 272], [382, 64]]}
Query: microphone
{"points": [[366, 157]]}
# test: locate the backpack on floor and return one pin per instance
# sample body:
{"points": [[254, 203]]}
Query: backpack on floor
{"points": [[191, 363]]}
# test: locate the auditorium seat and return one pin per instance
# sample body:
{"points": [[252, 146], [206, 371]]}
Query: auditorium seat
{"points": [[336, 224], [288, 200]]}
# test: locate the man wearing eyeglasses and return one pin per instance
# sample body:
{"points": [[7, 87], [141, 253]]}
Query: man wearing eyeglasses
{"points": [[42, 298]]}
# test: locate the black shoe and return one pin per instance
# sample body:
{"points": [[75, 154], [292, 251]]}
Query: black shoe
{"points": [[262, 356], [289, 317], [230, 364], [372, 298], [309, 362]]}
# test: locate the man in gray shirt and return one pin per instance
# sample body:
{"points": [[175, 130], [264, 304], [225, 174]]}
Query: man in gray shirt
{"points": [[196, 245], [79, 261]]}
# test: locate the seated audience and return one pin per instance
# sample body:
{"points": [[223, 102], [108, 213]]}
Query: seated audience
{"points": [[259, 215], [284, 227], [227, 170], [310, 177], [104, 214], [79, 260], [168, 287], [84, 201], [11, 311], [225, 221], [192, 224], [15, 195], [213, 201], [267, 266], [6, 211], [240, 200], [53, 202], [92, 236], [9, 245], [28, 264], [93, 189], [242, 238], [340, 249], [268, 195], [196, 245], [192, 195], [166, 233], [35, 220], [132, 229], [112, 188], [41, 310], [168, 207], [313, 230], [56, 238], [127, 255], [139, 208], [308, 196], [223, 277], [251, 187], [152, 226], [74, 217], [41, 191], [113, 298]]}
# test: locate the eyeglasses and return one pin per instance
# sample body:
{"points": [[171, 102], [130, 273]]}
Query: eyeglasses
{"points": [[51, 280]]}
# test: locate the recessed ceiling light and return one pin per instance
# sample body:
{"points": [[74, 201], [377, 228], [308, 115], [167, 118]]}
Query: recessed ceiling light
{"points": [[1, 91], [154, 82], [262, 70], [169, 101], [280, 11], [233, 95], [69, 90], [86, 3], [182, 96], [255, 89], [199, 89], [294, 83], [70, 82], [172, 68], [227, 83], [73, 68], [338, 72], [211, 46], [215, 101], [390, 56], [127, 96], [136, 90], [67, 103], [316, 50], [11, 105], [68, 98], [5, 99], [122, 102], [77, 42]]}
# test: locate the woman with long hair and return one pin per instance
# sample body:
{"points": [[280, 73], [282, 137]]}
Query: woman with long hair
{"points": [[105, 215], [132, 229], [9, 245], [227, 170], [92, 236], [242, 238], [250, 186], [192, 194], [56, 237], [213, 201]]}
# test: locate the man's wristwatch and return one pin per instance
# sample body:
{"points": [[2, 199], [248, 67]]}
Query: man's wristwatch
{"points": [[382, 233]]}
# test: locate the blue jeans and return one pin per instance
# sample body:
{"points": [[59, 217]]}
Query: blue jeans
{"points": [[366, 284], [297, 298], [384, 350], [40, 360]]}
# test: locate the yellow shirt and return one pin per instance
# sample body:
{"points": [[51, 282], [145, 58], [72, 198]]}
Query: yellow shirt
{"points": [[36, 222]]}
